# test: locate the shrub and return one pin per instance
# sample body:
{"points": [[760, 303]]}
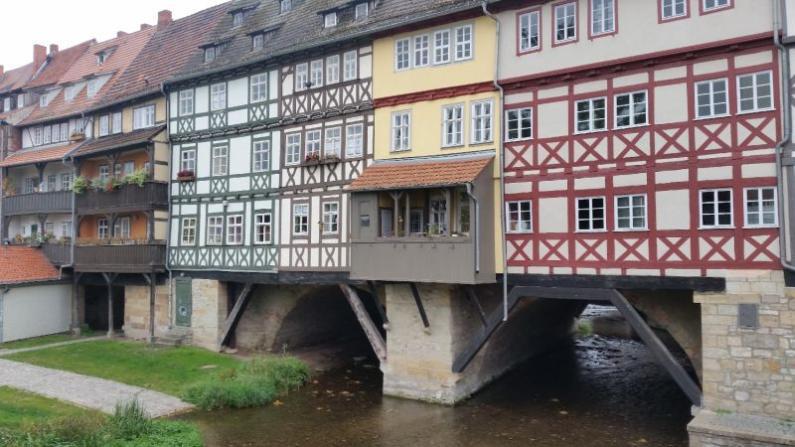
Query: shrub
{"points": [[137, 178], [80, 184]]}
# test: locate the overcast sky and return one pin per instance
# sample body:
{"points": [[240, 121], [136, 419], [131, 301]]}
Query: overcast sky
{"points": [[67, 23]]}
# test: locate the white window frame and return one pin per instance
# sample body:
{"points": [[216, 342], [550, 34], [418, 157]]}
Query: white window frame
{"points": [[333, 69], [563, 7], [760, 213], [258, 88], [591, 102], [292, 151], [257, 41], [605, 5], [755, 89], [316, 73], [235, 229], [530, 21], [261, 155], [300, 219], [591, 219], [712, 104], [331, 218], [421, 50], [716, 5], [453, 125], [518, 119], [122, 229], [301, 76], [632, 216], [350, 61], [672, 5], [220, 160], [218, 96], [464, 43], [332, 144], [104, 126], [482, 122], [442, 47], [522, 225], [66, 181], [187, 160], [361, 11], [330, 20], [188, 231], [313, 142], [145, 114], [401, 131], [354, 140], [103, 230], [701, 214], [403, 54], [186, 102], [632, 105], [285, 6], [215, 230], [263, 220]]}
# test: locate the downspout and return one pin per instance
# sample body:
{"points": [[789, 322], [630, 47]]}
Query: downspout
{"points": [[501, 149], [3, 293], [477, 226], [787, 135], [168, 221]]}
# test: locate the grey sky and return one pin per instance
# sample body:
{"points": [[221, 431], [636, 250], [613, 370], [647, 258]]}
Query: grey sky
{"points": [[67, 23]]}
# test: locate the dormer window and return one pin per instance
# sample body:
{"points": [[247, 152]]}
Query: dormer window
{"points": [[209, 54], [257, 41], [102, 56], [330, 20], [44, 100], [237, 18], [362, 11], [285, 5]]}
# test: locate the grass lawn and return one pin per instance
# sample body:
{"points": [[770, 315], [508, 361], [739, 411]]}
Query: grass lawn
{"points": [[169, 370], [18, 408], [38, 341]]}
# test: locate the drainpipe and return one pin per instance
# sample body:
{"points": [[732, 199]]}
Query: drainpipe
{"points": [[168, 221], [477, 226], [787, 135], [3, 293], [501, 149]]}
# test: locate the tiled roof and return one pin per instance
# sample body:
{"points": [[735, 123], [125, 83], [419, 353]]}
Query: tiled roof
{"points": [[118, 141], [58, 64], [16, 78], [421, 173], [25, 264], [30, 156]]}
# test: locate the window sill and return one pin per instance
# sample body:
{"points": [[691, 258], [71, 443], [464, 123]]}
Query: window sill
{"points": [[761, 227], [454, 146], [518, 140], [711, 117], [631, 230], [520, 232], [722, 227], [590, 231], [634, 126], [751, 112], [589, 132]]}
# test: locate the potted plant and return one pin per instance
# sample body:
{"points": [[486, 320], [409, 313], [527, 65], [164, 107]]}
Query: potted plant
{"points": [[77, 136], [312, 159], [8, 187], [333, 158], [114, 183], [137, 178], [80, 185], [186, 175]]}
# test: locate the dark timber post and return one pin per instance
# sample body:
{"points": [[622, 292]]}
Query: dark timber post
{"points": [[109, 278], [151, 280]]}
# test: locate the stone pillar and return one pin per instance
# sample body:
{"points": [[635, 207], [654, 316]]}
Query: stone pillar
{"points": [[136, 311], [749, 363], [210, 309]]}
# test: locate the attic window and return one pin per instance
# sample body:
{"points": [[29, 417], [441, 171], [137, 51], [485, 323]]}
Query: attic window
{"points": [[362, 11], [44, 100], [213, 51], [257, 41], [237, 18], [102, 56], [330, 20], [285, 5]]}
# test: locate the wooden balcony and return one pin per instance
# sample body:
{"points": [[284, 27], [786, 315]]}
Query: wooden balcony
{"points": [[38, 203], [58, 254], [120, 256], [127, 198]]}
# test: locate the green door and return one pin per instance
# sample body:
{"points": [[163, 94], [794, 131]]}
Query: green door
{"points": [[184, 298]]}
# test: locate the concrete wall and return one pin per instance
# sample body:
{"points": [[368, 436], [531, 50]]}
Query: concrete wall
{"points": [[136, 311], [36, 311]]}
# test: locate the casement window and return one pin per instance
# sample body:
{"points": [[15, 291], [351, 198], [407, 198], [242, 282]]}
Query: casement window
{"points": [[71, 92], [591, 115], [672, 9], [259, 87], [519, 124], [56, 131], [186, 102], [316, 73], [52, 183], [332, 69], [218, 96], [7, 104], [463, 42], [144, 117], [402, 54], [94, 85], [716, 208], [209, 54], [117, 170], [103, 231], [104, 172], [188, 231], [49, 228], [631, 109], [188, 160], [755, 91], [313, 143], [631, 212], [300, 219], [263, 228], [237, 18], [438, 206], [354, 140], [331, 217], [441, 47], [215, 230], [453, 125], [603, 17], [330, 20], [121, 229], [234, 229], [417, 221], [401, 131], [761, 207], [712, 98], [422, 50], [711, 5], [591, 214], [529, 31], [350, 64], [361, 11], [129, 167], [29, 187], [38, 135], [66, 228], [301, 76], [333, 144], [520, 216], [293, 149], [104, 125], [20, 101], [261, 153], [285, 6], [565, 22], [66, 181], [115, 124], [257, 41], [220, 161], [463, 212], [46, 134], [482, 122]]}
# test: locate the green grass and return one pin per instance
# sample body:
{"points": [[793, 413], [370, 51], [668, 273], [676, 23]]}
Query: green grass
{"points": [[38, 341], [19, 408]]}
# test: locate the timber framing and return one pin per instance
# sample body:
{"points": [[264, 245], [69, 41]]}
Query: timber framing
{"points": [[695, 283]]}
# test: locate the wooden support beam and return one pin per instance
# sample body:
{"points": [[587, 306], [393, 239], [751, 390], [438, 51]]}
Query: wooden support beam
{"points": [[565, 293], [234, 316], [474, 299], [378, 306], [420, 307], [370, 330]]}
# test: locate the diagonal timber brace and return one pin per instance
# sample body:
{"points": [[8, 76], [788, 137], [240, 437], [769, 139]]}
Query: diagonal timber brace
{"points": [[234, 316], [370, 329]]}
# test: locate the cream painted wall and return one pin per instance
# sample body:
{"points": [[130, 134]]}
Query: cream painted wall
{"points": [[35, 311]]}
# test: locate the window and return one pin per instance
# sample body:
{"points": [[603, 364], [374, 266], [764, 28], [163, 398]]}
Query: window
{"points": [[293, 149], [716, 208], [417, 221], [755, 92], [317, 73], [333, 146], [520, 124], [402, 54], [262, 155], [30, 185], [566, 22], [186, 102], [631, 212], [603, 18], [354, 140], [209, 54], [129, 167], [441, 47], [351, 61], [422, 56], [631, 109], [301, 76], [104, 125], [761, 207], [215, 230], [463, 43], [331, 214], [259, 87], [237, 18], [591, 214], [234, 230], [44, 100], [66, 181], [520, 216], [438, 213], [263, 228], [464, 212], [711, 98], [102, 229], [710, 5], [38, 135], [94, 85], [672, 9], [362, 11], [220, 161], [257, 41], [401, 131], [300, 219], [591, 115], [481, 122], [117, 170], [104, 172], [7, 103], [144, 117], [115, 124], [21, 101], [332, 69], [66, 228], [453, 125], [52, 183], [121, 229], [188, 160], [330, 20], [46, 134], [312, 147], [218, 96], [285, 5], [529, 35]]}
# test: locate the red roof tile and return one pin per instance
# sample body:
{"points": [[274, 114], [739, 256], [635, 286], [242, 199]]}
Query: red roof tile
{"points": [[16, 78], [426, 173], [118, 141], [30, 156], [25, 264], [58, 64]]}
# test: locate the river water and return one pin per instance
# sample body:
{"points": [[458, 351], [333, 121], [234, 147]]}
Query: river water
{"points": [[594, 392]]}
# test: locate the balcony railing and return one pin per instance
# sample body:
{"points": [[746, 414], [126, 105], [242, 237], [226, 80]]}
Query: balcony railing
{"points": [[38, 203], [58, 254], [120, 257], [124, 199]]}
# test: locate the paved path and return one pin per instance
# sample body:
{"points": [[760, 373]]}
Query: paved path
{"points": [[51, 345], [85, 391]]}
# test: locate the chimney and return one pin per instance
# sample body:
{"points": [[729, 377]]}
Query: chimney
{"points": [[121, 34], [145, 26], [163, 17], [39, 55], [53, 48]]}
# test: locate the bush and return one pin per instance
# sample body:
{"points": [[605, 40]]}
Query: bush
{"points": [[80, 184], [255, 383], [137, 178]]}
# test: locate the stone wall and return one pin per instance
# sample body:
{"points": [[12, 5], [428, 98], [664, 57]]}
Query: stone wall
{"points": [[210, 309], [136, 311]]}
